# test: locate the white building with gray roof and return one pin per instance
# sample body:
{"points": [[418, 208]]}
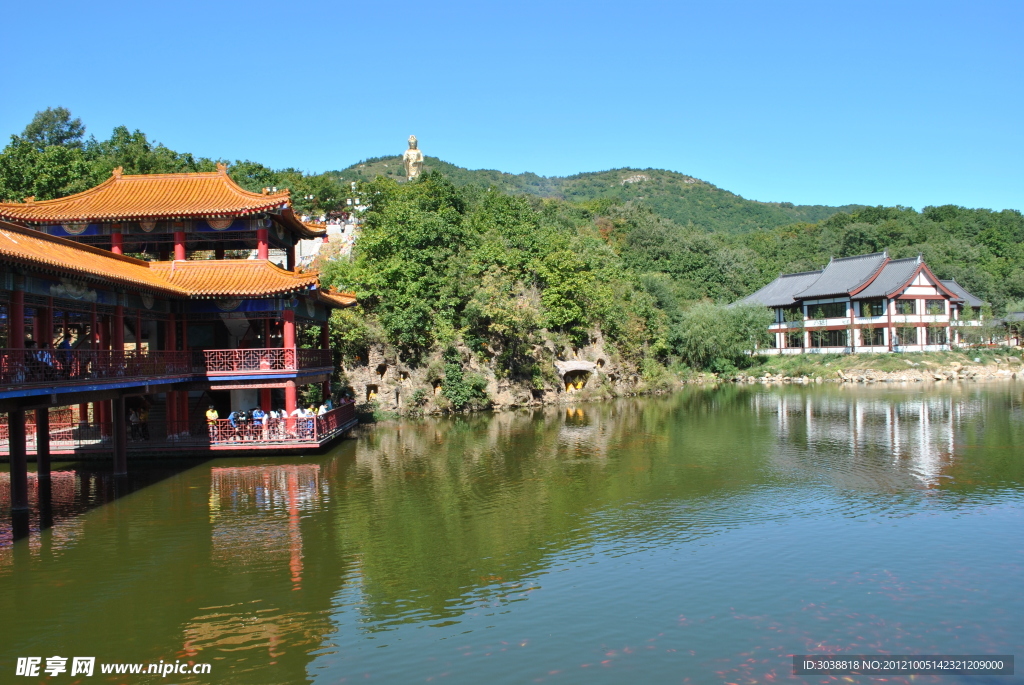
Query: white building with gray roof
{"points": [[867, 303]]}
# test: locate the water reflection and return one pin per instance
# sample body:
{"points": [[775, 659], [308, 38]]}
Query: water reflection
{"points": [[890, 440], [457, 545], [73, 488]]}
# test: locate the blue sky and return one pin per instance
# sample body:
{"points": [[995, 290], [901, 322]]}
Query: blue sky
{"points": [[911, 103]]}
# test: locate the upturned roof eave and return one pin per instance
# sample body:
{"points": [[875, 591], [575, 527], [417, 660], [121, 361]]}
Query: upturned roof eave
{"points": [[247, 202]]}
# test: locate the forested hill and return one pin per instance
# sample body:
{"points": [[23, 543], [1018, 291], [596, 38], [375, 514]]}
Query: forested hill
{"points": [[686, 200]]}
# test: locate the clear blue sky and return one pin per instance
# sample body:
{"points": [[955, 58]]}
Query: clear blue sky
{"points": [[911, 103]]}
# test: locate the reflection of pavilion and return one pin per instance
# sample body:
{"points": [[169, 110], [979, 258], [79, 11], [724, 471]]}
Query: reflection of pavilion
{"points": [[255, 514], [917, 432], [241, 499]]}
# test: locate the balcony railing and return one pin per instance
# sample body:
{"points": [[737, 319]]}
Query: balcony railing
{"points": [[29, 367], [35, 367], [256, 360], [268, 431], [219, 434]]}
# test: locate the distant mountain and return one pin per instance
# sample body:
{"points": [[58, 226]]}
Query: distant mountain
{"points": [[683, 199]]}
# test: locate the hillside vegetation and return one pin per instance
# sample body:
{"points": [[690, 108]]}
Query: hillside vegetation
{"points": [[505, 273], [687, 201]]}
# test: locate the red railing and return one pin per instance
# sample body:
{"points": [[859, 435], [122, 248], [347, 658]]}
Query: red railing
{"points": [[46, 367], [254, 360], [315, 359], [222, 432], [276, 431]]}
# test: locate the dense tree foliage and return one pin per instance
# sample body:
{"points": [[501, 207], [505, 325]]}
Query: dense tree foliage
{"points": [[983, 250], [503, 264], [439, 265], [51, 158]]}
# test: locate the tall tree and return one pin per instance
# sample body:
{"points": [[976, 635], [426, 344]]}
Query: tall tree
{"points": [[54, 127]]}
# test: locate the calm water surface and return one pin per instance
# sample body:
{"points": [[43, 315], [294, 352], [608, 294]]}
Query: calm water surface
{"points": [[703, 537]]}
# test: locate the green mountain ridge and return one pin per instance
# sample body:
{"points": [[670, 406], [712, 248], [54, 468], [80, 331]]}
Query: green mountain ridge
{"points": [[686, 200]]}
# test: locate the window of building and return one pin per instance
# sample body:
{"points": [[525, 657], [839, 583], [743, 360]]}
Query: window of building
{"points": [[872, 308], [795, 339], [906, 336], [935, 307], [829, 310], [872, 336], [795, 313], [936, 335], [828, 338], [906, 306]]}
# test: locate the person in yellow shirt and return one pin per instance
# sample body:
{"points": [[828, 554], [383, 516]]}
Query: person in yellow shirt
{"points": [[211, 421]]}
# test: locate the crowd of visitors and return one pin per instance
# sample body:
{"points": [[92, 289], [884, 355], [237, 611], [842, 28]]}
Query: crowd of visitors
{"points": [[255, 424]]}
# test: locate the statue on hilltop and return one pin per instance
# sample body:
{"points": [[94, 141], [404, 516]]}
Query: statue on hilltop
{"points": [[413, 159]]}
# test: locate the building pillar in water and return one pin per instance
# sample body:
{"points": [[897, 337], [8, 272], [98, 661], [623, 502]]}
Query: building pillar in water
{"points": [[43, 442], [19, 460], [120, 438]]}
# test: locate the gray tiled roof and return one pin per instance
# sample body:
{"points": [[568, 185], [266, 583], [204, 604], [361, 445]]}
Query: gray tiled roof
{"points": [[843, 275], [781, 291], [894, 274], [961, 292]]}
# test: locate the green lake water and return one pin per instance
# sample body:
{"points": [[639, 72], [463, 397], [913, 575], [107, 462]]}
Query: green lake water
{"points": [[702, 537]]}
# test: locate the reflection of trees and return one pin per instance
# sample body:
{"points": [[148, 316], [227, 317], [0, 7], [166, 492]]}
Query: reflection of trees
{"points": [[449, 513]]}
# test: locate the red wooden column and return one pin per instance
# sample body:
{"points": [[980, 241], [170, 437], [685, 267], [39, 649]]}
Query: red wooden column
{"points": [[290, 394], [171, 412], [83, 409], [120, 438], [116, 242], [325, 344], [265, 396], [138, 331], [291, 400], [43, 442], [179, 245], [171, 397], [183, 416], [19, 460], [117, 332], [289, 329], [262, 243], [17, 327], [291, 258], [48, 322], [218, 252], [117, 353], [104, 346]]}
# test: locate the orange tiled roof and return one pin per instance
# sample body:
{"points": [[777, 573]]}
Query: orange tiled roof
{"points": [[153, 196], [334, 298], [288, 219], [233, 277], [29, 247], [181, 279]]}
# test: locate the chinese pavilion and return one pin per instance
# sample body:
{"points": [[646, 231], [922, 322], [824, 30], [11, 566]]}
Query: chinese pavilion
{"points": [[102, 351]]}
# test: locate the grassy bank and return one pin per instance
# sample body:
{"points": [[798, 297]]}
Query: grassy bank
{"points": [[827, 364]]}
